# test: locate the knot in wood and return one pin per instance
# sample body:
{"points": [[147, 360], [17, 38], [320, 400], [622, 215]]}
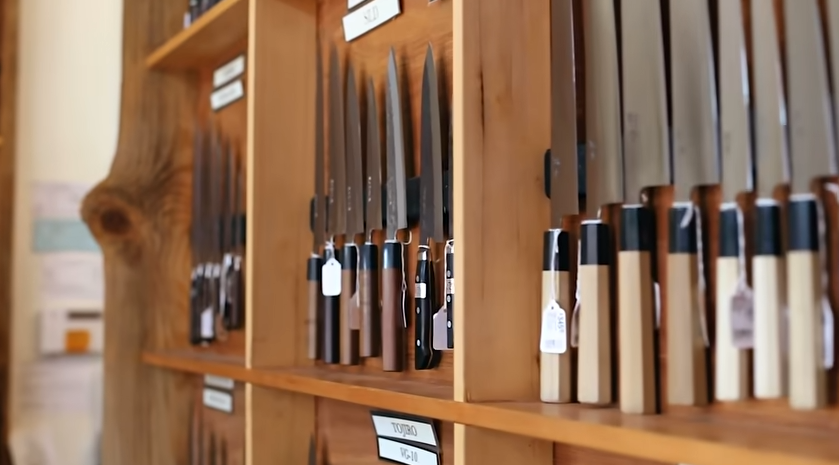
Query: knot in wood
{"points": [[114, 221]]}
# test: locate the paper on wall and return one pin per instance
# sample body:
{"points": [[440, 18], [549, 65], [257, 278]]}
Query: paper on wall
{"points": [[58, 200], [72, 276], [61, 385]]}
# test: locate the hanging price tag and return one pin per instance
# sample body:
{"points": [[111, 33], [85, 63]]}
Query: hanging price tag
{"points": [[207, 320], [331, 278], [554, 337], [827, 324], [440, 334], [742, 317]]}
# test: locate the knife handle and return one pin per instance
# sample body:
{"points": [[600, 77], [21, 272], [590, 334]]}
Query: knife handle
{"points": [[556, 370], [195, 293], [808, 387], [368, 282], [236, 315], [594, 372], [393, 311], [637, 354], [331, 320], [770, 300], [450, 294], [313, 275], [424, 293], [349, 308], [732, 363]]}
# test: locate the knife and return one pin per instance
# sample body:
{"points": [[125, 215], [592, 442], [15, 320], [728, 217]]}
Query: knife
{"points": [[368, 276], [196, 291], [431, 214], [442, 329], [393, 260], [350, 320], [604, 186], [237, 314], [732, 361], [557, 289], [315, 264], [336, 210], [231, 276], [646, 165], [216, 244], [312, 452], [814, 153], [450, 243], [771, 150]]}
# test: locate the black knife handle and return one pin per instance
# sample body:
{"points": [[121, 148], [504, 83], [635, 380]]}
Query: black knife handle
{"points": [[195, 307], [450, 295], [313, 276], [424, 308], [331, 321], [349, 321]]}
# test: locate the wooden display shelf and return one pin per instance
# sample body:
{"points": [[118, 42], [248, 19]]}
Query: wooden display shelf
{"points": [[215, 32]]}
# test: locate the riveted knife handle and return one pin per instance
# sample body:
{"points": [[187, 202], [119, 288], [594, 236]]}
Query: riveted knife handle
{"points": [[195, 305], [313, 316], [687, 376], [594, 375], [556, 370], [808, 384], [368, 281], [637, 335], [331, 321], [450, 296], [349, 307], [393, 328], [732, 363], [424, 308], [769, 289]]}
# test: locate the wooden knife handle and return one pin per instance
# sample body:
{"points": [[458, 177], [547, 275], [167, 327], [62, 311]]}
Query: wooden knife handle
{"points": [[556, 370], [424, 294], [331, 321], [808, 384], [594, 373], [687, 366], [393, 328], [637, 336], [313, 275], [732, 363], [450, 296], [196, 286], [770, 299], [368, 281], [349, 331]]}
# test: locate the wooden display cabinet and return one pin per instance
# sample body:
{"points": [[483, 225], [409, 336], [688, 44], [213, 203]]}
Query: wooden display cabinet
{"points": [[495, 55]]}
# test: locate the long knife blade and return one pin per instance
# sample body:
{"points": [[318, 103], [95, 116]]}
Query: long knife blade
{"points": [[320, 201], [564, 199], [368, 278], [395, 186], [196, 281], [431, 156], [374, 163], [337, 223], [355, 167]]}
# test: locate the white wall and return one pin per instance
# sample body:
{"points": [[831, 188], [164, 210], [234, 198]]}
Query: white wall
{"points": [[69, 79]]}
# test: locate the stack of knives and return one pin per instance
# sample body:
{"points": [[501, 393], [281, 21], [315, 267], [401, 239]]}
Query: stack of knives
{"points": [[773, 335], [218, 238], [358, 309], [215, 453]]}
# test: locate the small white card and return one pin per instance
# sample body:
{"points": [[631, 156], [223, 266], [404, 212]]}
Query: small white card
{"points": [[227, 95], [369, 17], [207, 328], [331, 278], [554, 337], [403, 453], [218, 382], [390, 426], [229, 71], [218, 400]]}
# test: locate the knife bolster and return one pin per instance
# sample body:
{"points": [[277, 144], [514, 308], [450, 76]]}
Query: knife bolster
{"points": [[369, 299], [594, 376], [393, 330], [313, 273]]}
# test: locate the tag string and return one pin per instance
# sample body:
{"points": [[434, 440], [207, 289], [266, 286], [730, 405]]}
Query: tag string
{"points": [[554, 292], [577, 299], [694, 213]]}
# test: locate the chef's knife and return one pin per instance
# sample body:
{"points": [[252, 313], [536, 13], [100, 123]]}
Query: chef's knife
{"points": [[315, 264], [813, 152], [393, 262], [197, 278], [604, 186], [646, 165], [214, 227], [732, 362], [368, 275], [237, 284], [450, 243], [772, 160]]}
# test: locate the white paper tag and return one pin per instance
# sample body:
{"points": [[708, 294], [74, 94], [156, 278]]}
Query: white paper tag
{"points": [[403, 453], [742, 317], [227, 95], [218, 400], [420, 290], [554, 337], [440, 335], [369, 17], [229, 71], [207, 321], [827, 325], [218, 382], [404, 429], [331, 278]]}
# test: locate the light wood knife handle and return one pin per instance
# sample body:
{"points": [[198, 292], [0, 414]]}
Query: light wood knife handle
{"points": [[393, 328], [368, 281], [594, 373], [637, 344], [732, 363], [314, 315], [331, 321], [808, 387], [349, 330], [770, 299], [687, 375], [556, 370]]}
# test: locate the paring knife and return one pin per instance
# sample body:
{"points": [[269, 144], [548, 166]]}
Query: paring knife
{"points": [[604, 186], [314, 267], [368, 275], [350, 318], [196, 293], [772, 159], [814, 155], [431, 214], [646, 164], [393, 260], [732, 361], [696, 163], [556, 356]]}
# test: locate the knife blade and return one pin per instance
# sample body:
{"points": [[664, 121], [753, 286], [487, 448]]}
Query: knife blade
{"points": [[604, 186], [216, 219], [368, 276], [646, 165], [431, 214], [814, 156], [393, 263], [314, 265], [197, 278], [771, 150], [557, 287]]}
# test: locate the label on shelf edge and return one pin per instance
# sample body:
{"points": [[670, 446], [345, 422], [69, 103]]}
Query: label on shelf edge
{"points": [[218, 400], [369, 17], [399, 452], [227, 95], [229, 71], [218, 382], [395, 426]]}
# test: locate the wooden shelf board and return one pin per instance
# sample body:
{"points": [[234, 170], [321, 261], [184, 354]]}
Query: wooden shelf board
{"points": [[215, 32], [696, 438]]}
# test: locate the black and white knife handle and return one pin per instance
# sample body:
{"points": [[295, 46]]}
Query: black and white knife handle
{"points": [[450, 294], [331, 337], [195, 304], [236, 314], [314, 269], [424, 308]]}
